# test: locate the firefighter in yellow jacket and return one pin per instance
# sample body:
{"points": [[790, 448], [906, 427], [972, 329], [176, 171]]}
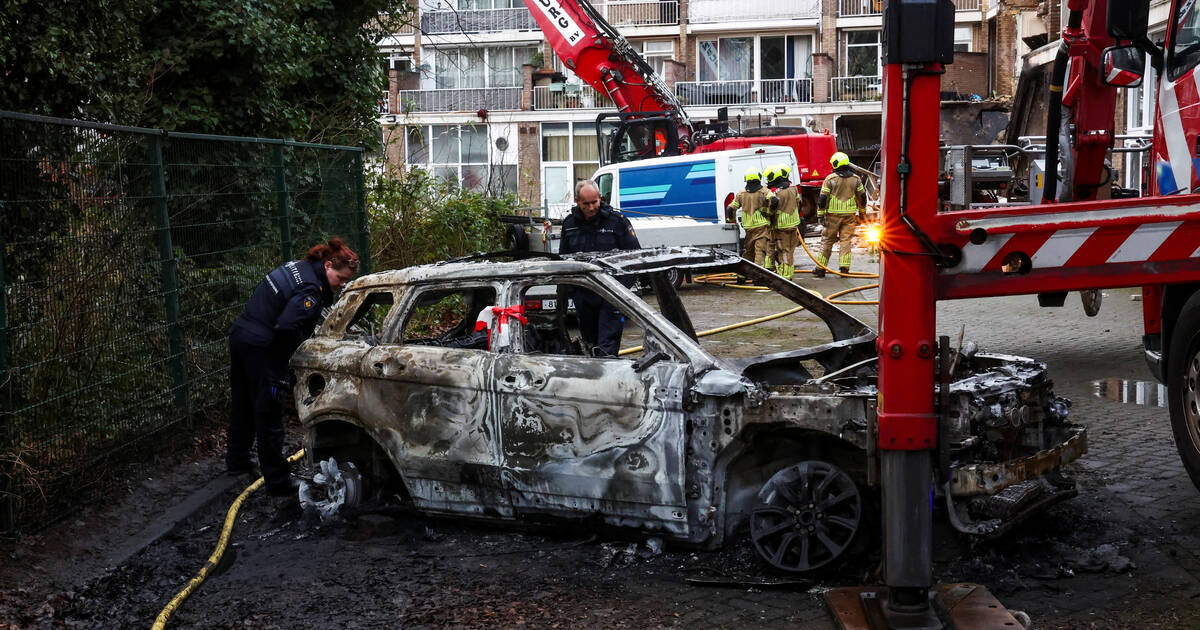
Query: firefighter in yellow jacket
{"points": [[843, 200], [787, 219], [754, 214]]}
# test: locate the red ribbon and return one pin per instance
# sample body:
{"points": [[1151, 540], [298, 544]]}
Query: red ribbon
{"points": [[502, 314]]}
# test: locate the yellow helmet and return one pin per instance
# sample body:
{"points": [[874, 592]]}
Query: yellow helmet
{"points": [[769, 173], [780, 171], [752, 174], [838, 160]]}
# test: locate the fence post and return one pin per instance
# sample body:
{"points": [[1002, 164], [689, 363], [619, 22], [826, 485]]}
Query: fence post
{"points": [[364, 239], [8, 433], [284, 198], [170, 279]]}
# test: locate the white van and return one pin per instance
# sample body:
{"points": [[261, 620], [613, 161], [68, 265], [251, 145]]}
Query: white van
{"points": [[678, 200]]}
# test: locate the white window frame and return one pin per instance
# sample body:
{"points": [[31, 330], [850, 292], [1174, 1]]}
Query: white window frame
{"points": [[572, 162], [494, 57], [878, 45], [964, 36], [802, 69], [493, 182], [1140, 104]]}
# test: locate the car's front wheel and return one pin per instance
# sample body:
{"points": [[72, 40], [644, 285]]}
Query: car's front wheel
{"points": [[809, 517], [1183, 386]]}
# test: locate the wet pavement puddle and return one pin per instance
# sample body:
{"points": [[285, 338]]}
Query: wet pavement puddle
{"points": [[1145, 393]]}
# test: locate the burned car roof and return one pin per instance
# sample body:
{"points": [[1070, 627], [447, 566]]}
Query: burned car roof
{"points": [[616, 262]]}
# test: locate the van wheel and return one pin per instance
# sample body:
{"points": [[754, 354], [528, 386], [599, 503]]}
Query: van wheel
{"points": [[515, 239], [809, 517], [1183, 386]]}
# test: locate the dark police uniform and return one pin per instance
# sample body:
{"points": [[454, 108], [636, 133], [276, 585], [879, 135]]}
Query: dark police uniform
{"points": [[599, 322], [280, 315]]}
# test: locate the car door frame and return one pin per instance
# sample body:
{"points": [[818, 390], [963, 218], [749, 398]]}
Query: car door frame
{"points": [[627, 470], [450, 471]]}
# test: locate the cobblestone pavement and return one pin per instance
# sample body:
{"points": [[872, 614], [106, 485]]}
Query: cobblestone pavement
{"points": [[385, 571]]}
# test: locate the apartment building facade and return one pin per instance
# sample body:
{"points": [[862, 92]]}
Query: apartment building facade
{"points": [[476, 94]]}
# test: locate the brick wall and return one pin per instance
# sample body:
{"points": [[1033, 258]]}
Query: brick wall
{"points": [[1005, 55], [529, 163], [823, 69], [967, 75]]}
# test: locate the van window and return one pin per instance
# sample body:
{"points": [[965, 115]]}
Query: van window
{"points": [[604, 183]]}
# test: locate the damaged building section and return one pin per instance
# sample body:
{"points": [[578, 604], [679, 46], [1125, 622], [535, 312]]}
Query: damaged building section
{"points": [[465, 389]]}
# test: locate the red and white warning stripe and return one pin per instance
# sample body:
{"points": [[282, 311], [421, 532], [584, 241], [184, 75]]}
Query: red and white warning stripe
{"points": [[1069, 244]]}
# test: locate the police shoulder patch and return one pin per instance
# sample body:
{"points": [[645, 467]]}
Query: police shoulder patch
{"points": [[309, 303]]}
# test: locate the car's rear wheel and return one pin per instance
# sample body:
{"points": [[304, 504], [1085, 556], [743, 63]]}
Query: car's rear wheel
{"points": [[1183, 386], [809, 517]]}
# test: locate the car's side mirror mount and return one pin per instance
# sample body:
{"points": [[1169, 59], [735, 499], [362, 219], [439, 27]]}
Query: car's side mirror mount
{"points": [[651, 356]]}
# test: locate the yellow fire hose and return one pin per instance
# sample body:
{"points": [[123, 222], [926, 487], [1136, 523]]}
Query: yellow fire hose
{"points": [[729, 280], [161, 621]]}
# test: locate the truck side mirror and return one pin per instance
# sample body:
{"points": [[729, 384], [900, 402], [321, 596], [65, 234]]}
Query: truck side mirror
{"points": [[1122, 66]]}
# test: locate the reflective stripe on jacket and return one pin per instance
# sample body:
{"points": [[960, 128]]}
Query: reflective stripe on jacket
{"points": [[842, 192], [751, 205], [789, 208]]}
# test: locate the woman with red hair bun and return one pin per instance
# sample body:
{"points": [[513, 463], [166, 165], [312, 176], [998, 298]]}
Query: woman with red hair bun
{"points": [[281, 314]]}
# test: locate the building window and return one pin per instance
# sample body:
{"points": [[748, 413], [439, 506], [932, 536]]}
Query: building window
{"points": [[483, 5], [726, 59], [862, 54], [459, 153], [655, 53], [569, 154], [1139, 120], [479, 67], [963, 38]]}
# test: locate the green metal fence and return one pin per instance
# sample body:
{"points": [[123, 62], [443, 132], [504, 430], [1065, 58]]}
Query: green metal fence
{"points": [[125, 254]]}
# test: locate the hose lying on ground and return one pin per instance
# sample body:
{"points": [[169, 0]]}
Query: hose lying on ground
{"points": [[161, 621]]}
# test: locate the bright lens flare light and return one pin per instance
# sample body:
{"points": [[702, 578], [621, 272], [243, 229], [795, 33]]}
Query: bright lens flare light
{"points": [[873, 233]]}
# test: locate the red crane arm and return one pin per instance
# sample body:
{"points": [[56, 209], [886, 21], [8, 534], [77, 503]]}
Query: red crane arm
{"points": [[599, 55]]}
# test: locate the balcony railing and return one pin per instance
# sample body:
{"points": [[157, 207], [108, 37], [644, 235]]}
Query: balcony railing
{"points": [[480, 21], [641, 12], [459, 100], [854, 8], [744, 92], [569, 96], [869, 88], [712, 11], [385, 102]]}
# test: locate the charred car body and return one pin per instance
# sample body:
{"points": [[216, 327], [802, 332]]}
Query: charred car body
{"points": [[520, 422]]}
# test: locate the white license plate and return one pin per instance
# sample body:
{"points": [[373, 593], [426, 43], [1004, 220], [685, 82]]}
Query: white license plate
{"points": [[549, 305]]}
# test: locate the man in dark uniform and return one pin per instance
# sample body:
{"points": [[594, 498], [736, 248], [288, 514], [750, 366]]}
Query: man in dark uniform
{"points": [[594, 226], [280, 315]]}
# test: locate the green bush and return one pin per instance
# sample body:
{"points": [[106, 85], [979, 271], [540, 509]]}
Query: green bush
{"points": [[417, 219]]}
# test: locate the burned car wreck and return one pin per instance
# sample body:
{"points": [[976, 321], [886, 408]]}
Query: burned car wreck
{"points": [[464, 388]]}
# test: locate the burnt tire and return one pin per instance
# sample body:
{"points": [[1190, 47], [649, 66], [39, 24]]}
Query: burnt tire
{"points": [[1183, 386], [810, 518]]}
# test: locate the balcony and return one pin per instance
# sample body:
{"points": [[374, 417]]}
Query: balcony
{"points": [[716, 11], [744, 92], [860, 8], [569, 96], [843, 89], [477, 21], [384, 105], [641, 12], [459, 100]]}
